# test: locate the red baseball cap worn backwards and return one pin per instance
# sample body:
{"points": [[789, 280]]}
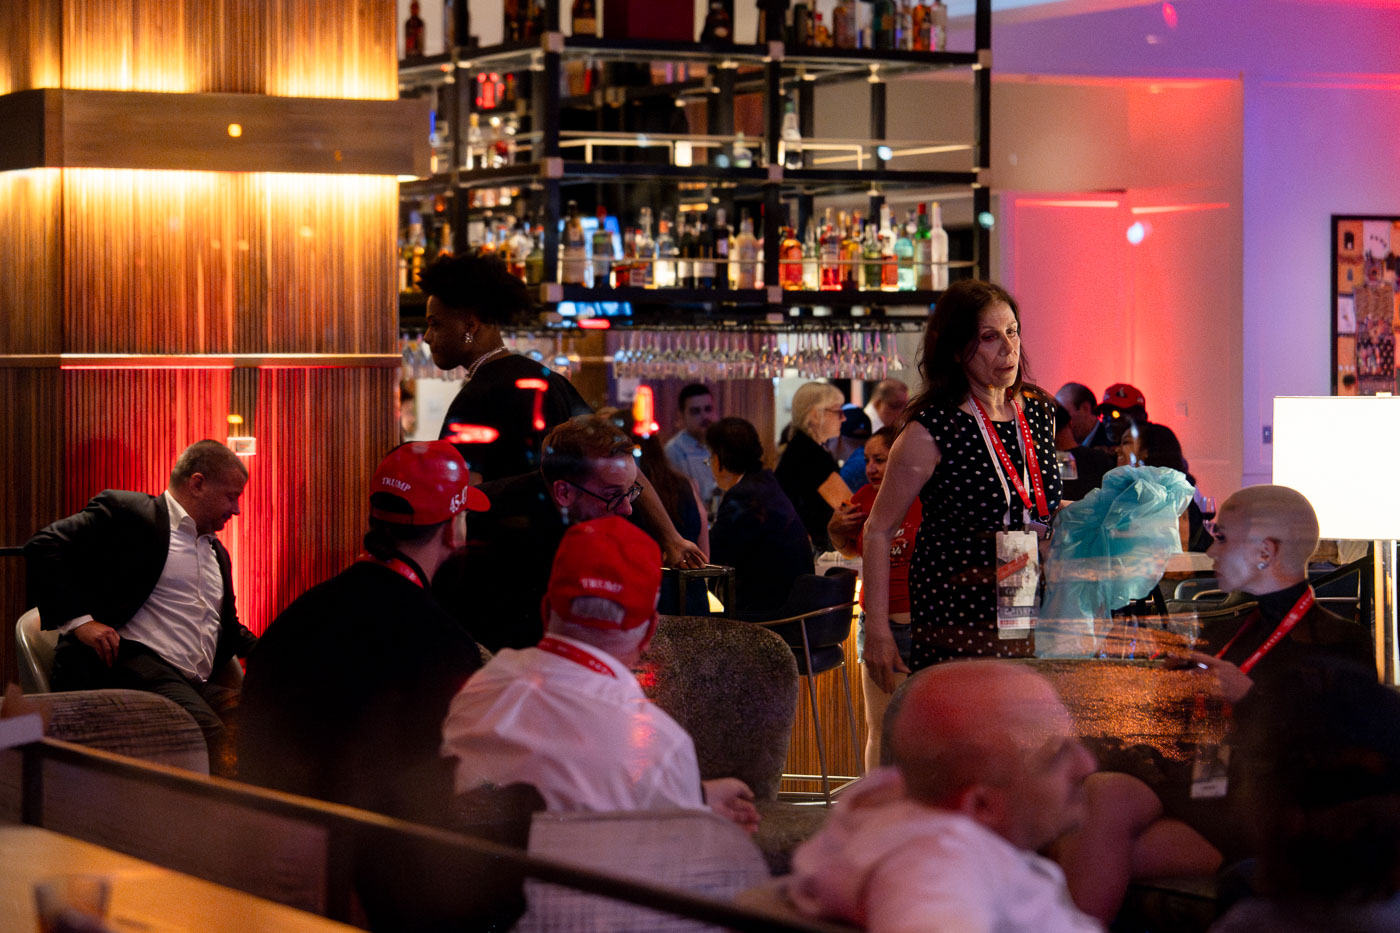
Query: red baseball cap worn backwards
{"points": [[1123, 396], [432, 478], [609, 558]]}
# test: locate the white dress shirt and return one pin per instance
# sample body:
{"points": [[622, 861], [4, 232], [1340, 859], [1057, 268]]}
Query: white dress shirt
{"points": [[875, 421], [586, 738], [180, 619], [691, 458]]}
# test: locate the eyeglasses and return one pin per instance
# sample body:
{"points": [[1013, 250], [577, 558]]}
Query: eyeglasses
{"points": [[834, 411], [613, 503]]}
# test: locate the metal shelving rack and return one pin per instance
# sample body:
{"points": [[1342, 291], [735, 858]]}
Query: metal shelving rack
{"points": [[733, 69]]}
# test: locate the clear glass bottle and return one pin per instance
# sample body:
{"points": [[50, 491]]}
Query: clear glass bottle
{"points": [[476, 143], [665, 272], [811, 258], [603, 251], [573, 259], [872, 269], [938, 240], [850, 251], [743, 156], [938, 26], [645, 249], [746, 249], [791, 133], [889, 267], [904, 255]]}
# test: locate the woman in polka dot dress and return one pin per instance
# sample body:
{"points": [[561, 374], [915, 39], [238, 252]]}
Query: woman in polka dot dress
{"points": [[971, 356]]}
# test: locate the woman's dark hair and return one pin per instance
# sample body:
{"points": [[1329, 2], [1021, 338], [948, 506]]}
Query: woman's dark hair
{"points": [[734, 443], [479, 284], [948, 344], [1160, 448]]}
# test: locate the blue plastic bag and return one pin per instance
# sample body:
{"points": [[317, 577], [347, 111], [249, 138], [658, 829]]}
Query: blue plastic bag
{"points": [[1109, 548]]}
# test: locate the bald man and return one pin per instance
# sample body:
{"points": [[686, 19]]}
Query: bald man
{"points": [[887, 403], [986, 772], [1263, 537]]}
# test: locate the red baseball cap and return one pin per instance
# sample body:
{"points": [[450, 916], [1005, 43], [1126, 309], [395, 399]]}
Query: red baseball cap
{"points": [[1122, 396], [432, 478], [609, 558]]}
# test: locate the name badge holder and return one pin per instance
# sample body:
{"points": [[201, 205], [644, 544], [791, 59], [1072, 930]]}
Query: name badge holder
{"points": [[1017, 551]]}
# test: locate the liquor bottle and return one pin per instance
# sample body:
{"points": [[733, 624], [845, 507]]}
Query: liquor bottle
{"points": [[904, 255], [622, 268], [889, 268], [585, 18], [938, 26], [746, 247], [743, 156], [904, 25], [830, 254], [413, 33], [444, 241], [821, 34], [803, 26], [666, 273], [718, 29], [704, 271], [790, 260], [919, 24], [923, 251], [811, 257], [603, 252], [874, 258], [850, 251], [476, 144], [512, 20], [938, 237], [843, 24], [886, 24], [520, 249], [645, 251], [534, 260], [720, 237], [688, 245], [574, 255], [791, 133], [417, 251]]}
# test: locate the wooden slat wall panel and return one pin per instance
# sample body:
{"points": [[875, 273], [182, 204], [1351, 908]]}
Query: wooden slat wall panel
{"points": [[320, 433], [30, 321], [297, 48], [31, 475], [212, 262], [29, 44], [831, 706]]}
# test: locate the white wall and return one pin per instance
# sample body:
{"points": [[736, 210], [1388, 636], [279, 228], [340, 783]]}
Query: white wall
{"points": [[1321, 122]]}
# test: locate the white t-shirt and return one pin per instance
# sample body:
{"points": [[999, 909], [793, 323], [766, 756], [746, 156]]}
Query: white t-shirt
{"points": [[577, 728], [892, 865]]}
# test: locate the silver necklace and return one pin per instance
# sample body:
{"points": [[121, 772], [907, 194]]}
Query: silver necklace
{"points": [[471, 370]]}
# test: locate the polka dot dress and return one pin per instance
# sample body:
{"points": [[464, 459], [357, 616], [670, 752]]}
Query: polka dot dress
{"points": [[952, 573]]}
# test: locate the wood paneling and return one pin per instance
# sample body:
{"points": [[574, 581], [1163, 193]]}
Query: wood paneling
{"points": [[30, 283], [295, 48], [203, 262], [62, 128], [320, 432]]}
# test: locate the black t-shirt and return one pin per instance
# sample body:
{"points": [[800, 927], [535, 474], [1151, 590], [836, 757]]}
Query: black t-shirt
{"points": [[758, 533], [346, 693], [493, 399], [802, 468]]}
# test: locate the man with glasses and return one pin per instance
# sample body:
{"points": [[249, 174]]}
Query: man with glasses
{"points": [[588, 469]]}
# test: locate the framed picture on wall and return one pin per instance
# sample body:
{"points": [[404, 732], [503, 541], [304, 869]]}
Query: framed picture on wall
{"points": [[1365, 303]]}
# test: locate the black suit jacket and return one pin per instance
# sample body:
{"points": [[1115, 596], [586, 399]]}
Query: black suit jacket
{"points": [[104, 562]]}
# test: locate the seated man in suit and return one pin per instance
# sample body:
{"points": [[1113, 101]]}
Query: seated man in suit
{"points": [[141, 590], [567, 716]]}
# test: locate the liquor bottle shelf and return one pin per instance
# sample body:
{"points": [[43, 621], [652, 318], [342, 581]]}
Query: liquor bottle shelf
{"points": [[522, 174]]}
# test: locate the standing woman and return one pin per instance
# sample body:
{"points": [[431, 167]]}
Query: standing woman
{"points": [[806, 470], [978, 451]]}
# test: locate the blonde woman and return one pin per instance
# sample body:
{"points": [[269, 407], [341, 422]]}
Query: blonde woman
{"points": [[806, 470]]}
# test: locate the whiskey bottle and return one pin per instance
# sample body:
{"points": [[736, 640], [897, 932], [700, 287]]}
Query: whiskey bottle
{"points": [[585, 18], [413, 32]]}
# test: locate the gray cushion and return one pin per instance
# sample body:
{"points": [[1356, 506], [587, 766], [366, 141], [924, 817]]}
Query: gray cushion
{"points": [[127, 722]]}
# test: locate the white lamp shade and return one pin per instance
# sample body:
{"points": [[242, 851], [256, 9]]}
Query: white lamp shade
{"points": [[1343, 453]]}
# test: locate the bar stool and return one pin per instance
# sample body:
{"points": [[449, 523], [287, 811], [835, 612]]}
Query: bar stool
{"points": [[815, 622], [677, 580]]}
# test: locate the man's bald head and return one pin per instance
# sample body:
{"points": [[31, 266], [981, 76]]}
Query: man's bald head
{"points": [[1281, 514]]}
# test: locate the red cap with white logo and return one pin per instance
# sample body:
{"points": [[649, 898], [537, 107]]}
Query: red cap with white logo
{"points": [[608, 558], [431, 477]]}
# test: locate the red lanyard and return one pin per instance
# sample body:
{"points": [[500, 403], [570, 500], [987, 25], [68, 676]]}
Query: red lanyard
{"points": [[576, 654], [1300, 609], [1040, 505], [396, 565]]}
